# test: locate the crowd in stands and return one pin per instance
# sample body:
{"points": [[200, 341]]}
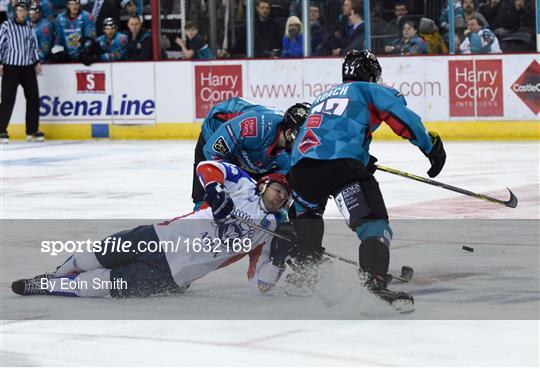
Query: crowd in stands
{"points": [[110, 30]]}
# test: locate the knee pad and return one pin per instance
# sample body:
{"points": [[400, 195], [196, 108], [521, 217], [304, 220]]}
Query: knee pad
{"points": [[352, 203], [374, 256]]}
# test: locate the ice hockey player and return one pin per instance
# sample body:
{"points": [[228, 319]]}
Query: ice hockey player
{"points": [[255, 137], [333, 145], [112, 44], [75, 31], [200, 242], [44, 32]]}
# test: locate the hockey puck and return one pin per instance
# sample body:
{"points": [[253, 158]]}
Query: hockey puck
{"points": [[467, 248]]}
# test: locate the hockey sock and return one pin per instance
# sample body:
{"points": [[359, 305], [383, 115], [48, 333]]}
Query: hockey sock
{"points": [[95, 283], [374, 256], [77, 263]]}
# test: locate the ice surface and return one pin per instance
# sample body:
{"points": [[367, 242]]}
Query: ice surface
{"points": [[145, 180]]}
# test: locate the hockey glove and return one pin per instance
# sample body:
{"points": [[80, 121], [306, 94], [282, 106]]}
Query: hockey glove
{"points": [[437, 155], [220, 201], [281, 249], [371, 167]]}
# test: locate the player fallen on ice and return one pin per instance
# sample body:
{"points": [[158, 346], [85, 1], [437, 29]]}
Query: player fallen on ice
{"points": [[231, 194], [331, 158], [255, 137]]}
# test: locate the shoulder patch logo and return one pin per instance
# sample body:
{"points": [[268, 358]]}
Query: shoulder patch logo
{"points": [[309, 141], [248, 127], [221, 146]]}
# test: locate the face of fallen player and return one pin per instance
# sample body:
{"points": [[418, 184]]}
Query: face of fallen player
{"points": [[109, 32], [275, 196]]}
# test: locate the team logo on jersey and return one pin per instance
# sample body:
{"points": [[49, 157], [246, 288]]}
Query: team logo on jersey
{"points": [[309, 141], [314, 121], [221, 146], [248, 127]]}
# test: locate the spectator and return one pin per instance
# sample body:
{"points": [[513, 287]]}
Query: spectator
{"points": [[75, 32], [195, 47], [317, 31], [410, 43], [267, 31], [394, 26], [112, 44], [43, 29], [344, 27], [132, 7], [479, 39], [469, 11], [293, 41], [489, 10], [139, 40], [430, 33], [356, 36], [459, 18], [514, 16]]}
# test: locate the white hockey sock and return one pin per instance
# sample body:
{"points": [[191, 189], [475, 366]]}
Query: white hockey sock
{"points": [[95, 283], [79, 262]]}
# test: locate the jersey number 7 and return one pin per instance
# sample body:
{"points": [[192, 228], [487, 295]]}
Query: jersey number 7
{"points": [[332, 106]]}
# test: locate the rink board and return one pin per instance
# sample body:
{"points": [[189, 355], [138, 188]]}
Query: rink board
{"points": [[484, 97]]}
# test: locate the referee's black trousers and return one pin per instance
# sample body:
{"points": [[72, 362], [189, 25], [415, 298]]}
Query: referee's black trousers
{"points": [[12, 77]]}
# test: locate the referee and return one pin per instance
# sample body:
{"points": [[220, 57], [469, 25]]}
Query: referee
{"points": [[19, 66]]}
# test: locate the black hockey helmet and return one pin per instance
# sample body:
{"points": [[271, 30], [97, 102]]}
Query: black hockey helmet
{"points": [[73, 1], [361, 65], [109, 22], [295, 116], [34, 7]]}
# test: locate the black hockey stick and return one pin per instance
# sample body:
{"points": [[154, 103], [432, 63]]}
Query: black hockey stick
{"points": [[511, 203], [406, 271]]}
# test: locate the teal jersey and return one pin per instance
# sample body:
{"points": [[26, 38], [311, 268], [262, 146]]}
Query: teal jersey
{"points": [[250, 140], [225, 111], [342, 120]]}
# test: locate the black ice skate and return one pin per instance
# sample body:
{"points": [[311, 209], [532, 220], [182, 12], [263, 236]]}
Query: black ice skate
{"points": [[29, 287], [402, 302]]}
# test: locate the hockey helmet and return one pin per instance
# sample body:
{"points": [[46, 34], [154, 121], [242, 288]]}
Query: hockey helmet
{"points": [[21, 4], [295, 116], [73, 1], [361, 65], [109, 22], [275, 177], [34, 7]]}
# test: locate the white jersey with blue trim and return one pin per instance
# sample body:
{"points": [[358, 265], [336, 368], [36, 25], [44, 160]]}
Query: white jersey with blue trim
{"points": [[198, 246]]}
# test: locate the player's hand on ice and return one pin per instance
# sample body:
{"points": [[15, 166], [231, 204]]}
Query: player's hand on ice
{"points": [[282, 250], [371, 167], [221, 203], [437, 155]]}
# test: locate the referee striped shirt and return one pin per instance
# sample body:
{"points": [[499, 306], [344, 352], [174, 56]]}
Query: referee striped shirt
{"points": [[18, 44]]}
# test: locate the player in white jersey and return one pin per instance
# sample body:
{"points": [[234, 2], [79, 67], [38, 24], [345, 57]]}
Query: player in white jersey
{"points": [[190, 246]]}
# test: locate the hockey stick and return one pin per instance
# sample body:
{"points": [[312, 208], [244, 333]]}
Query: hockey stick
{"points": [[511, 203], [406, 271]]}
